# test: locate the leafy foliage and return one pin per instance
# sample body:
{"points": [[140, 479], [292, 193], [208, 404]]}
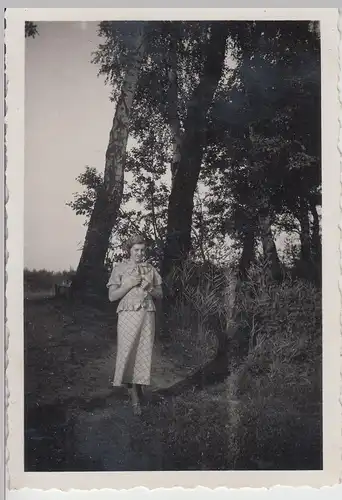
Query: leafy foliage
{"points": [[262, 154], [43, 280], [31, 29], [262, 159]]}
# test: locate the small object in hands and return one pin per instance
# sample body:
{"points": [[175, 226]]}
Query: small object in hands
{"points": [[145, 285]]}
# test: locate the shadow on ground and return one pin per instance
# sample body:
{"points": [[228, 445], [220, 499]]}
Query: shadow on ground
{"points": [[75, 421], [100, 434]]}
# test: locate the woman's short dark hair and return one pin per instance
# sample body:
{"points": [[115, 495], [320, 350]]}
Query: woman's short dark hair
{"points": [[135, 239]]}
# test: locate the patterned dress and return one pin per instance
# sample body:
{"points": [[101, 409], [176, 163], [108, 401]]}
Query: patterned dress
{"points": [[136, 324]]}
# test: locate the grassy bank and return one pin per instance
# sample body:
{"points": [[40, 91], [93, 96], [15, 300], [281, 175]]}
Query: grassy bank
{"points": [[265, 415]]}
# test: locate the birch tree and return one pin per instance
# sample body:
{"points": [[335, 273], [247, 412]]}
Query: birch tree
{"points": [[89, 274]]}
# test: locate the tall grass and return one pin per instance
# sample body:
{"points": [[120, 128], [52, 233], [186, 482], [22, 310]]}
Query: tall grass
{"points": [[278, 386], [199, 312], [267, 413]]}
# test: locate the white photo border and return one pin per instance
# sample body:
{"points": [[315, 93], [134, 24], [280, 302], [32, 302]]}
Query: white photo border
{"points": [[15, 49]]}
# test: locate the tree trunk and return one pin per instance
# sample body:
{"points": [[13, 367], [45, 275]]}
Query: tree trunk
{"points": [[181, 200], [305, 243], [172, 98], [316, 243], [248, 252], [213, 372], [269, 247], [90, 272]]}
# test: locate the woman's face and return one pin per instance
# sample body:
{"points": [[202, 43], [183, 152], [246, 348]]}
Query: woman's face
{"points": [[138, 252]]}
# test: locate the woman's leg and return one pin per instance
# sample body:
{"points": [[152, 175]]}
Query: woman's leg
{"points": [[140, 391], [126, 339], [134, 398], [143, 359]]}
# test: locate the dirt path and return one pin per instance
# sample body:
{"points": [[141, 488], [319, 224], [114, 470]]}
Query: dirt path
{"points": [[75, 419], [70, 352]]}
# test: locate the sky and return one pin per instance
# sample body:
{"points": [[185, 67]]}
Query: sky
{"points": [[68, 116]]}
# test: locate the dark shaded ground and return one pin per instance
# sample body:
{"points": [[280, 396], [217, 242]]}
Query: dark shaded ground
{"points": [[99, 435], [75, 421], [71, 408]]}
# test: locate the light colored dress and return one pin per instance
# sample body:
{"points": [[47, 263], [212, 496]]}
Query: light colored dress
{"points": [[136, 324]]}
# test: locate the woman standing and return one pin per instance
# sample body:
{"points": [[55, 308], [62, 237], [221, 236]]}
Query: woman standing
{"points": [[136, 283]]}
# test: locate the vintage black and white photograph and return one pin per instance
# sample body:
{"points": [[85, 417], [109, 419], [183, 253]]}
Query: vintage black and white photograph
{"points": [[173, 270]]}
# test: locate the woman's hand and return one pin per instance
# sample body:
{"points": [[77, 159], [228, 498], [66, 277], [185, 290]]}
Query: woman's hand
{"points": [[145, 285], [117, 292], [133, 281], [157, 292]]}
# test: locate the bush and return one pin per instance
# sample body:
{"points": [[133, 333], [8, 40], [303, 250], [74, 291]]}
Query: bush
{"points": [[267, 414], [278, 385], [199, 312], [38, 280]]}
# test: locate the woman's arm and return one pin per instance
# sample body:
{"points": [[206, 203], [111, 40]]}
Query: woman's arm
{"points": [[156, 292], [116, 292], [155, 289]]}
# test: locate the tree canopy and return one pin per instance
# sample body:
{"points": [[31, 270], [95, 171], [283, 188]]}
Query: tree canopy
{"points": [[254, 152]]}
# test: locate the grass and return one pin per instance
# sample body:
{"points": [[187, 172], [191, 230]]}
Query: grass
{"points": [[39, 281], [265, 415], [65, 345], [268, 413]]}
